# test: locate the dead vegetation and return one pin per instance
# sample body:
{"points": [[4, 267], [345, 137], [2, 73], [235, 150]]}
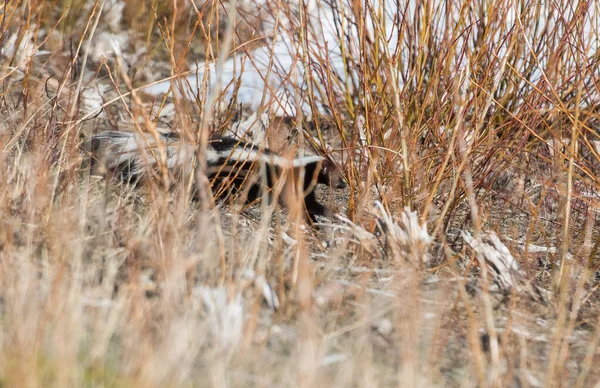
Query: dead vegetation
{"points": [[465, 251]]}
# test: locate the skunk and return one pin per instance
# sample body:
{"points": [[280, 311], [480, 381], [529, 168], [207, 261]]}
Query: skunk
{"points": [[233, 166]]}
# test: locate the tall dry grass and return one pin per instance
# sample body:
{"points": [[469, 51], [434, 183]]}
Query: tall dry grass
{"points": [[478, 116]]}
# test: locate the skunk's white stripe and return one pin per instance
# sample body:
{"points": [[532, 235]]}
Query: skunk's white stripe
{"points": [[126, 147], [306, 160], [248, 155]]}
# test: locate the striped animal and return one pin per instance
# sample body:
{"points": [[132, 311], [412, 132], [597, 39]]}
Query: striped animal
{"points": [[233, 166]]}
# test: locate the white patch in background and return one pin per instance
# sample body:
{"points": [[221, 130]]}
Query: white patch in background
{"points": [[503, 267], [558, 145], [408, 234], [23, 51], [250, 129], [225, 315], [361, 122], [280, 95], [92, 100], [334, 358], [106, 44], [113, 14], [596, 145], [532, 248], [495, 254], [260, 282], [491, 251]]}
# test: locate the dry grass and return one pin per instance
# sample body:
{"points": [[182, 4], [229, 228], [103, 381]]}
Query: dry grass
{"points": [[479, 116]]}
